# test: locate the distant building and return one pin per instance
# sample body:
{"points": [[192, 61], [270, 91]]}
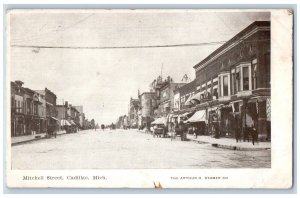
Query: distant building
{"points": [[51, 112], [185, 94], [133, 112], [62, 116], [17, 109], [165, 94], [28, 114], [81, 116], [148, 101], [73, 115]]}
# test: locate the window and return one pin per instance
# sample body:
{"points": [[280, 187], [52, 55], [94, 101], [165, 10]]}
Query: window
{"points": [[237, 79], [220, 87], [224, 86], [254, 77], [243, 78], [245, 82], [233, 83], [19, 106], [35, 109], [215, 92]]}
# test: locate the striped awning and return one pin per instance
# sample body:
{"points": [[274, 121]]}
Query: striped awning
{"points": [[65, 123], [199, 116], [161, 120]]}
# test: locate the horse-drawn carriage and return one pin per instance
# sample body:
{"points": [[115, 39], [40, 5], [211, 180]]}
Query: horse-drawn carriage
{"points": [[178, 132], [159, 131], [159, 127]]}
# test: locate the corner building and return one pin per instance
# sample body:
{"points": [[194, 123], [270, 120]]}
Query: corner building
{"points": [[237, 76]]}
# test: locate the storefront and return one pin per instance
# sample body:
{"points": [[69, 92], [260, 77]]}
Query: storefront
{"points": [[197, 123], [260, 109], [18, 125]]}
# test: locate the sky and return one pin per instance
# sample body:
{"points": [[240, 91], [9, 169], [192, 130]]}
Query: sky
{"points": [[103, 80]]}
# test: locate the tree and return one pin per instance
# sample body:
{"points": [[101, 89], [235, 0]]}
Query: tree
{"points": [[93, 123]]}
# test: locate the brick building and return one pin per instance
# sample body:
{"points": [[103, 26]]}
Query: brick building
{"points": [[237, 77], [164, 90], [51, 112], [17, 109], [28, 114]]}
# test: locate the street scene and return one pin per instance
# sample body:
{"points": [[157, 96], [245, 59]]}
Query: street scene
{"points": [[129, 149], [140, 89]]}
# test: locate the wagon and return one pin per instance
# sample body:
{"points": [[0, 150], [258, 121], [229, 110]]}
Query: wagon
{"points": [[159, 132]]}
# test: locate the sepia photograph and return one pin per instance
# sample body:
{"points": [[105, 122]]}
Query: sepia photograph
{"points": [[142, 90]]}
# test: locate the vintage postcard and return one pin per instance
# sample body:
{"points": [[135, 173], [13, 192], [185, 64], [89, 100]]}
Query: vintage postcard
{"points": [[120, 98]]}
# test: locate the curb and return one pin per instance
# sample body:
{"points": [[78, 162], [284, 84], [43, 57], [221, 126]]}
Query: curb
{"points": [[238, 148], [230, 147], [32, 140], [26, 141]]}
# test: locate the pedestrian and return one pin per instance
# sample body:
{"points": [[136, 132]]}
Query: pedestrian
{"points": [[236, 126], [195, 132], [254, 135], [249, 125]]}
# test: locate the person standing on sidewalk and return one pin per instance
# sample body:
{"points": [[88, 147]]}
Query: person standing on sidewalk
{"points": [[249, 124], [237, 126]]}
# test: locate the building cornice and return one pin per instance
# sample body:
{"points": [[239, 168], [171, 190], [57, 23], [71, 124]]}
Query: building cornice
{"points": [[217, 53]]}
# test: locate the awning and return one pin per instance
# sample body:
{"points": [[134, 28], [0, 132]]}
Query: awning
{"points": [[196, 97], [188, 101], [183, 115], [72, 122], [54, 118], [169, 117], [258, 99], [65, 123], [161, 120], [199, 116]]}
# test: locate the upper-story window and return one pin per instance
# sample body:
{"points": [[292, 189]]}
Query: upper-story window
{"points": [[233, 82], [224, 86], [215, 89], [242, 78], [254, 75]]}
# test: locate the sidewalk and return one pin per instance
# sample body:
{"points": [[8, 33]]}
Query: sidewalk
{"points": [[230, 143], [29, 138]]}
